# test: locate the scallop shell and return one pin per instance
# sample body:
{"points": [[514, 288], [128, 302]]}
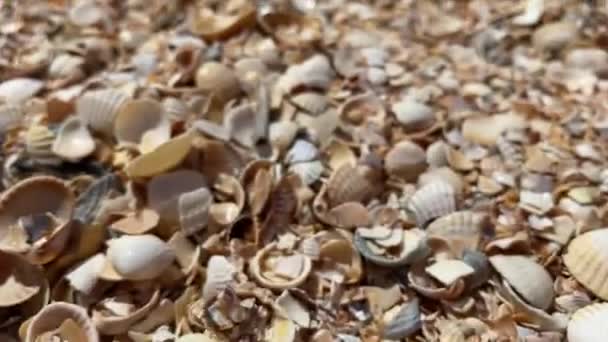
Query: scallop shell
{"points": [[406, 323], [193, 209], [73, 141], [18, 90], [19, 280], [142, 122], [65, 65], [220, 273], [39, 141], [586, 261], [589, 324], [405, 160], [281, 281], [55, 316], [353, 184], [460, 230], [412, 115], [132, 255], [218, 79], [85, 276], [163, 158], [433, 200], [529, 279], [98, 108]]}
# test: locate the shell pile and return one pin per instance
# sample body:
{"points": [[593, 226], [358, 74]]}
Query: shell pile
{"points": [[303, 170]]}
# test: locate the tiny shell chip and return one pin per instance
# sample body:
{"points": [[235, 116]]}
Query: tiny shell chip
{"points": [[448, 271], [161, 159], [405, 160], [193, 208], [414, 116], [433, 200], [73, 141], [55, 316], [589, 324], [587, 261], [529, 279], [133, 255]]}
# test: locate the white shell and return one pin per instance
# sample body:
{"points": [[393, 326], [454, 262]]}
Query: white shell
{"points": [[19, 90], [65, 65], [589, 324], [529, 279], [301, 151], [139, 257], [432, 200], [309, 172], [142, 122], [461, 229], [587, 261], [10, 116], [84, 277], [175, 109], [39, 141], [413, 115], [97, 108], [220, 273], [436, 154], [73, 141], [315, 72], [588, 58], [532, 14], [449, 271]]}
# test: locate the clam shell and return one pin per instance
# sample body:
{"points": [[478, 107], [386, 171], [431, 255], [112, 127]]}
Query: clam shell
{"points": [[405, 323], [193, 209], [360, 107], [436, 154], [460, 230], [55, 315], [532, 13], [352, 184], [166, 156], [589, 324], [433, 200], [555, 35], [85, 276], [19, 280], [405, 160], [242, 124], [18, 90], [412, 115], [39, 141], [218, 79], [142, 122], [257, 265], [73, 141], [309, 172], [132, 255], [529, 279], [443, 174], [220, 273], [586, 259], [97, 108]]}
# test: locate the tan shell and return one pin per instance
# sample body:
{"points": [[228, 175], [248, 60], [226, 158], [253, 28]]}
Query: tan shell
{"points": [[486, 130], [459, 230], [411, 247], [586, 259], [86, 13], [214, 26], [405, 160], [433, 200], [39, 141], [142, 122], [56, 316], [279, 281], [555, 35], [529, 279], [218, 79], [352, 184], [19, 280], [164, 157], [338, 249], [589, 324], [361, 107], [187, 254], [40, 195], [193, 209], [163, 191], [108, 324], [443, 174], [282, 134], [241, 122], [73, 141], [137, 222], [65, 65], [412, 115], [18, 90], [97, 108], [132, 255], [85, 276]]}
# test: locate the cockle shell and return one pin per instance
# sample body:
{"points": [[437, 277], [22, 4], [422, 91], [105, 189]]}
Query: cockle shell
{"points": [[443, 174], [39, 141], [73, 141], [18, 90], [589, 324], [142, 122], [405, 160], [19, 280], [353, 184], [164, 157], [528, 278], [97, 108], [133, 255], [218, 79], [587, 261], [433, 200], [55, 316], [436, 154], [459, 230]]}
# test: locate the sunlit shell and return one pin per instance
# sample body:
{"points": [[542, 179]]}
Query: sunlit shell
{"points": [[436, 154], [310, 102], [175, 109], [142, 122], [281, 330], [320, 128], [211, 25], [528, 278], [187, 254], [193, 209], [443, 174], [486, 130], [288, 28], [39, 144], [432, 200], [311, 248], [458, 160], [86, 13], [309, 172], [286, 271], [427, 287], [586, 259], [242, 124], [315, 72], [220, 273], [132, 255], [352, 184], [18, 90], [65, 65], [555, 35], [85, 276], [412, 115], [589, 324], [97, 108], [163, 191], [19, 280], [301, 151], [406, 322], [218, 79], [412, 248], [64, 319], [405, 160], [448, 271], [532, 13], [164, 157], [459, 230], [73, 141], [250, 71], [282, 134]]}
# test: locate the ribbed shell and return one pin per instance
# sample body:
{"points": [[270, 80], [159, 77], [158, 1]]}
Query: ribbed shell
{"points": [[462, 227], [352, 184], [97, 108], [589, 324], [587, 261], [39, 144], [405, 160], [433, 200]]}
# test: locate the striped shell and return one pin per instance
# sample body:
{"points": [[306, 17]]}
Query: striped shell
{"points": [[433, 200], [587, 261], [39, 141], [405, 160], [352, 184], [220, 274], [193, 210], [589, 324], [460, 230], [98, 108]]}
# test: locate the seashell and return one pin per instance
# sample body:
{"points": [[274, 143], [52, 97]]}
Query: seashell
{"points": [[67, 320], [165, 157], [538, 203], [448, 272], [352, 184], [313, 73], [73, 141], [291, 29], [532, 14], [570, 303], [282, 134], [142, 122], [10, 117], [241, 122], [108, 323], [293, 309], [175, 109], [528, 278], [460, 230], [288, 271], [39, 141], [163, 191], [86, 13], [214, 26], [282, 330], [186, 253], [19, 90], [137, 222], [485, 130], [311, 102], [361, 107], [594, 59], [85, 276], [98, 108], [309, 172], [41, 208], [585, 260], [218, 79], [405, 160], [589, 324], [432, 200], [412, 115], [480, 263], [193, 209], [425, 286], [65, 65], [406, 323], [19, 280], [132, 255], [250, 71], [458, 160], [211, 129], [220, 273], [442, 174], [347, 215], [321, 127], [555, 35], [436, 154], [311, 248], [413, 248], [89, 201], [301, 151]]}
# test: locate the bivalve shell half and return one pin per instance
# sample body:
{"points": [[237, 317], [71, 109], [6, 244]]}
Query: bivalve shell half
{"points": [[587, 261], [589, 324], [163, 158], [555, 35], [142, 122], [73, 141], [97, 108], [39, 141], [405, 323], [433, 200], [10, 117], [19, 280], [193, 210], [460, 230], [67, 320], [139, 257], [352, 184], [529, 279], [218, 79], [413, 116], [411, 248], [405, 160]]}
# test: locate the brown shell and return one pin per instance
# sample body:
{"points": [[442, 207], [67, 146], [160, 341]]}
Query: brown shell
{"points": [[405, 160], [353, 184]]}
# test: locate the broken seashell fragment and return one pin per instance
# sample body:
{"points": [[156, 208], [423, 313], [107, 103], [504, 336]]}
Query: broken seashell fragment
{"points": [[589, 324], [70, 321], [73, 141], [432, 200]]}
